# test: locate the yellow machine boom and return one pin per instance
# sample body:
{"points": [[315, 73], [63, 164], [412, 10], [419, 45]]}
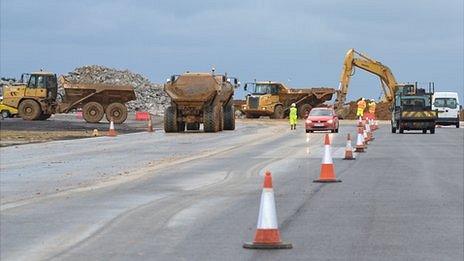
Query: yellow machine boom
{"points": [[356, 59]]}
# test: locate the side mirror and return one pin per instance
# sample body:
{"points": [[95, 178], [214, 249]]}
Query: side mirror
{"points": [[245, 87], [235, 81]]}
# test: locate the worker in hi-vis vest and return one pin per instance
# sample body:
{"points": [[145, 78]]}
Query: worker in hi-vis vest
{"points": [[361, 108], [372, 107], [293, 116]]}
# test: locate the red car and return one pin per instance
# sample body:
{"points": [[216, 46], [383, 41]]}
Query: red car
{"points": [[322, 119]]}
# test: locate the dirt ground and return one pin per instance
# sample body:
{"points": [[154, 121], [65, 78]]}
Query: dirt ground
{"points": [[14, 131]]}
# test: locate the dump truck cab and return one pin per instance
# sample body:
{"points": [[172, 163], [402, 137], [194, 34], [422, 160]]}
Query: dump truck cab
{"points": [[34, 96], [263, 100], [412, 109]]}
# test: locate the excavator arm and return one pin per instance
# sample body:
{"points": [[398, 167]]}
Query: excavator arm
{"points": [[355, 59]]}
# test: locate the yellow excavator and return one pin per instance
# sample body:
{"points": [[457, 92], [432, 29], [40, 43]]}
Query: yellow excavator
{"points": [[410, 106], [356, 59]]}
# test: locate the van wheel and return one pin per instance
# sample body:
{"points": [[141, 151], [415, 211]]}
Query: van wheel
{"points": [[424, 131], [432, 131], [29, 110]]}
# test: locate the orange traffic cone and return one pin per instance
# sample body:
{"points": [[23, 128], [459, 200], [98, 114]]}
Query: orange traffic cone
{"points": [[112, 131], [360, 146], [365, 138], [360, 123], [348, 149], [369, 132], [150, 125], [327, 168], [267, 233]]}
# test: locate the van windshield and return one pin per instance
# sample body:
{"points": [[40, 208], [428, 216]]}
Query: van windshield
{"points": [[446, 102]]}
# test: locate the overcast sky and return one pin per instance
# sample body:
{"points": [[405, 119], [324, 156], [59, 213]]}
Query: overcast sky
{"points": [[301, 43]]}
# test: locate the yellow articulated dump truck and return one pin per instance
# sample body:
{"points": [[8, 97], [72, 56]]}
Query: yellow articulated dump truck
{"points": [[200, 98], [36, 98], [273, 99]]}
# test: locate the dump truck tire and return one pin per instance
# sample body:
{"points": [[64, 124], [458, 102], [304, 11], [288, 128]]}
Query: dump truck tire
{"points": [[29, 110], [278, 112], [170, 120], [229, 117], [303, 110], [93, 112], [221, 118], [193, 126], [117, 111], [211, 118]]}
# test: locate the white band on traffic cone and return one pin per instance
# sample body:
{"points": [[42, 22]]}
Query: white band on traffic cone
{"points": [[327, 159], [267, 218]]}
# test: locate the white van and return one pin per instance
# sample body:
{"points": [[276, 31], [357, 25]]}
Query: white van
{"points": [[447, 104]]}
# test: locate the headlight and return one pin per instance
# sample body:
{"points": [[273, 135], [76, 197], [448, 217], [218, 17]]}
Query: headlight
{"points": [[244, 107], [308, 121], [263, 108], [330, 121]]}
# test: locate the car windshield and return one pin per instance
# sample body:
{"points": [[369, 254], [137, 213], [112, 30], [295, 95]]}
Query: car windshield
{"points": [[446, 102], [320, 113]]}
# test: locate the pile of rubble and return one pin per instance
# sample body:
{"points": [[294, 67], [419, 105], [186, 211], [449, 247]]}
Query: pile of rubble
{"points": [[382, 111], [150, 96]]}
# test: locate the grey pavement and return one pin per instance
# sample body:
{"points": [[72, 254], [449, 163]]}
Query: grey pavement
{"points": [[401, 200]]}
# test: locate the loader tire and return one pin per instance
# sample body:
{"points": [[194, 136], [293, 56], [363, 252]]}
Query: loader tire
{"points": [[211, 118], [278, 112], [117, 111], [193, 126], [93, 112], [229, 117], [170, 120], [29, 110]]}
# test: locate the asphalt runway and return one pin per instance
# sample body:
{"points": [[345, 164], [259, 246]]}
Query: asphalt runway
{"points": [[195, 196]]}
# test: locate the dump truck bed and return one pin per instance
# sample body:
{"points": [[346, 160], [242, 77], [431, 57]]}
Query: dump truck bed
{"points": [[196, 88], [77, 94]]}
